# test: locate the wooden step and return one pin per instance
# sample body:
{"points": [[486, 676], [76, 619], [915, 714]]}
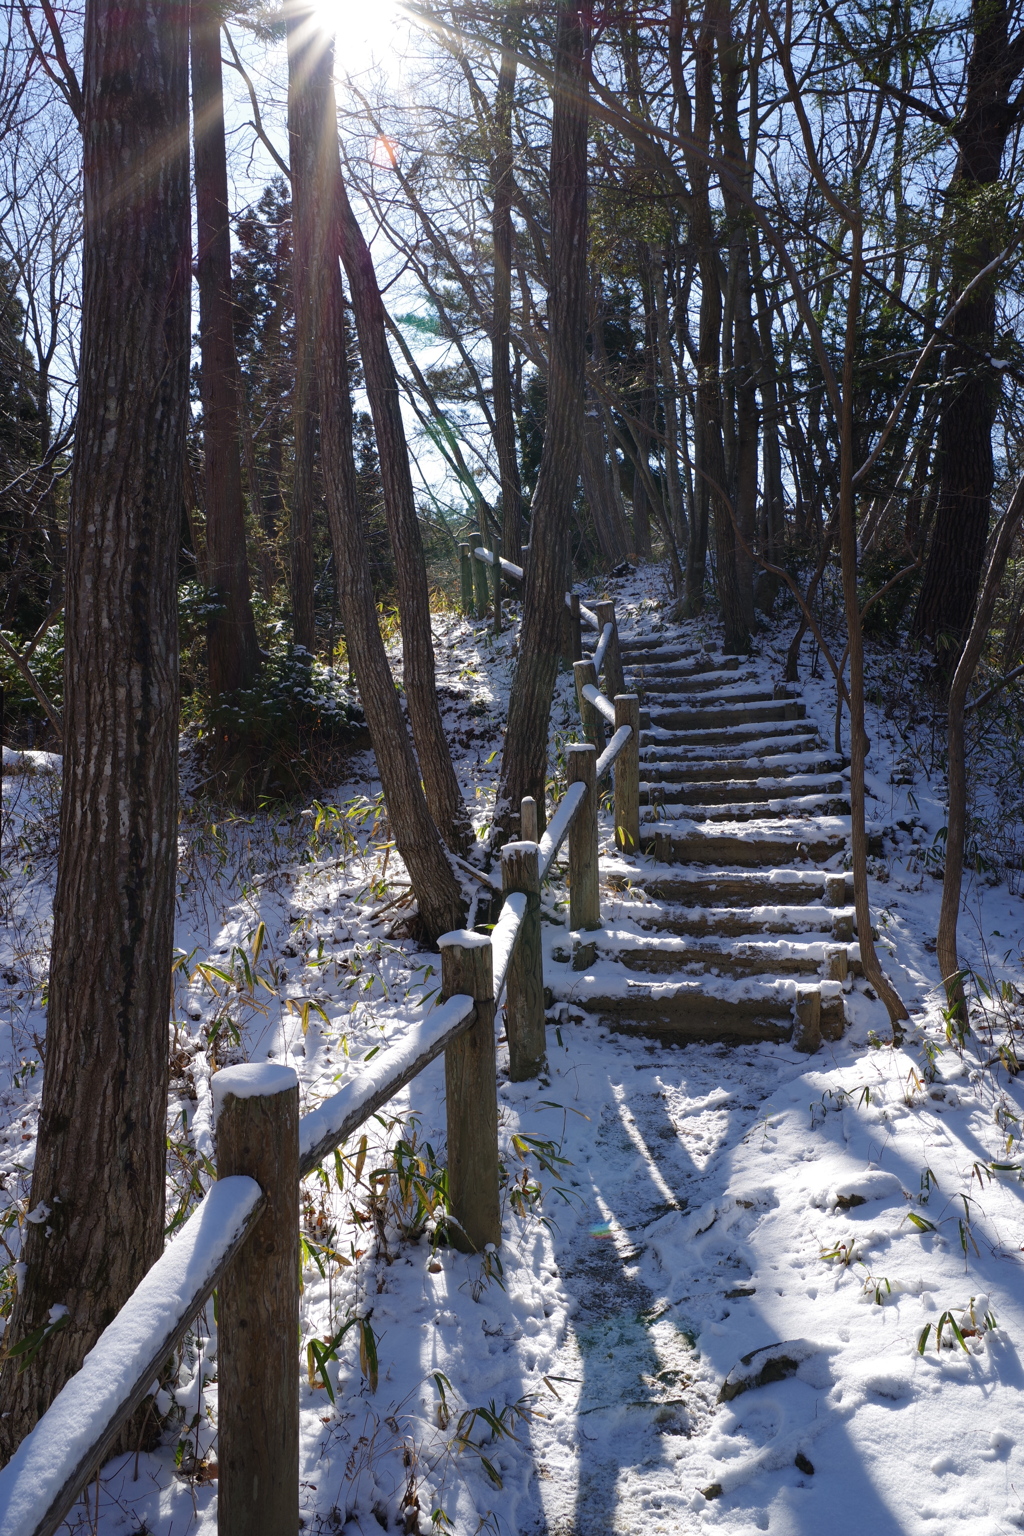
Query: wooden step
{"points": [[659, 699], [738, 791], [710, 888], [646, 650], [655, 769], [727, 716], [832, 924], [783, 734], [660, 808], [725, 955], [683, 1010], [759, 845], [670, 679]]}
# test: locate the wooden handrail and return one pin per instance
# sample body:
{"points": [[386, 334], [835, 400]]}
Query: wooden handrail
{"points": [[333, 1121], [47, 1472]]}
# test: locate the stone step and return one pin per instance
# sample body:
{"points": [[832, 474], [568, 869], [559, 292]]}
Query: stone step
{"points": [[735, 888], [748, 955], [728, 716], [658, 769], [660, 808], [738, 791], [709, 1009], [784, 733], [757, 845]]}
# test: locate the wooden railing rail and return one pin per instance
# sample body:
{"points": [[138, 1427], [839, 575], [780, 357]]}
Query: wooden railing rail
{"points": [[47, 1472], [240, 1238]]}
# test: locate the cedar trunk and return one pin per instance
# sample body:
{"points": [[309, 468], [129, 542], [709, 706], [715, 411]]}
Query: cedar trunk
{"points": [[232, 648], [971, 387], [501, 374], [98, 1182], [305, 47], [524, 760]]}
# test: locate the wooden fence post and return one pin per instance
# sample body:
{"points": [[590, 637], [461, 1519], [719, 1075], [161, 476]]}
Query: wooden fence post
{"points": [[575, 627], [584, 886], [627, 776], [257, 1120], [593, 721], [524, 997], [614, 681], [529, 829], [479, 579], [472, 1095], [497, 586], [466, 574]]}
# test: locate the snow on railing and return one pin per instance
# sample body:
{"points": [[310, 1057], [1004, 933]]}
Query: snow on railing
{"points": [[334, 1121], [604, 706], [45, 1475]]}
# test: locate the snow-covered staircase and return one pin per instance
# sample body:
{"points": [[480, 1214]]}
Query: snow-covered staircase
{"points": [[734, 919]]}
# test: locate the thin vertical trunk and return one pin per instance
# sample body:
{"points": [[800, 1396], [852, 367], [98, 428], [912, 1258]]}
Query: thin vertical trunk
{"points": [[524, 760], [670, 400], [100, 1159], [711, 463], [416, 837], [855, 639], [501, 376], [443, 794], [232, 649], [305, 45]]}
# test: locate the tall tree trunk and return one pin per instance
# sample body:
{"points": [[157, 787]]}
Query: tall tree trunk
{"points": [[524, 759], [859, 743], [502, 179], [232, 649], [416, 837], [443, 794], [971, 386], [956, 818], [670, 399], [305, 47], [709, 431], [98, 1182]]}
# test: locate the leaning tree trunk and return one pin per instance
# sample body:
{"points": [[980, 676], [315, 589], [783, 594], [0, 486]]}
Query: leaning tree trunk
{"points": [[231, 644], [98, 1185], [305, 44], [524, 759], [501, 318], [956, 817], [437, 891], [443, 794]]}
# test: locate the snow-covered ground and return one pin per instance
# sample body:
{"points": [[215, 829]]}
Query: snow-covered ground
{"points": [[668, 1211]]}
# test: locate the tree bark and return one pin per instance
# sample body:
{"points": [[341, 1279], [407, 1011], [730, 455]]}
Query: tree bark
{"points": [[971, 385], [956, 816], [232, 648], [97, 1198], [524, 759], [502, 180], [416, 837], [443, 794], [305, 44]]}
